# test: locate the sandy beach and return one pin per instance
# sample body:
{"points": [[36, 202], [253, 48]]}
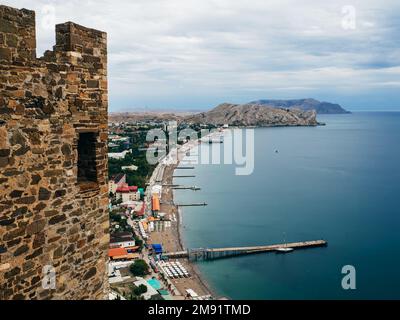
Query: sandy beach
{"points": [[171, 238]]}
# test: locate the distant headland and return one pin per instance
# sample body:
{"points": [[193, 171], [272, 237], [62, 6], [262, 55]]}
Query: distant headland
{"points": [[303, 104]]}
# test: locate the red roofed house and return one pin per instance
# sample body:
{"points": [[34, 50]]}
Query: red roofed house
{"points": [[117, 252], [141, 212], [127, 193], [123, 253], [116, 182]]}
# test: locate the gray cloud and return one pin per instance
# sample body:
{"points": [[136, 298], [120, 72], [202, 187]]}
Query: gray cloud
{"points": [[187, 53]]}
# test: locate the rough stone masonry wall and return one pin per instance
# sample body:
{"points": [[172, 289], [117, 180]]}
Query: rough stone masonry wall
{"points": [[47, 217]]}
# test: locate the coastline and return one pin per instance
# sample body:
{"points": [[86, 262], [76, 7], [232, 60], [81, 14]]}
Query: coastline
{"points": [[171, 238], [196, 274], [169, 195]]}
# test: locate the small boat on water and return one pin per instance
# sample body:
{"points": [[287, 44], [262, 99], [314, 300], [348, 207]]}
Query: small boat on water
{"points": [[283, 250]]}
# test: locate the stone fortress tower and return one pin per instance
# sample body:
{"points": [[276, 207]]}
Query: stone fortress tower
{"points": [[53, 162]]}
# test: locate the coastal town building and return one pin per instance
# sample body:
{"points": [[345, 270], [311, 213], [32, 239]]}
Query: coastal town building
{"points": [[140, 212], [122, 240], [135, 208], [115, 182], [130, 168], [155, 204], [117, 138], [156, 190], [143, 228], [54, 217], [141, 190], [112, 145], [117, 253], [124, 254], [118, 155], [126, 193]]}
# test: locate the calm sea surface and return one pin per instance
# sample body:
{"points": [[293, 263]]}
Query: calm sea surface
{"points": [[339, 182]]}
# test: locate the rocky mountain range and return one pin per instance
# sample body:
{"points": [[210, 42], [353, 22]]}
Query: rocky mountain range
{"points": [[304, 104], [299, 112], [254, 115]]}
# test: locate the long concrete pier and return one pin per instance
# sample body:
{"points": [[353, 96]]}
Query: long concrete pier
{"points": [[196, 204], [180, 186], [194, 188], [218, 253], [190, 176]]}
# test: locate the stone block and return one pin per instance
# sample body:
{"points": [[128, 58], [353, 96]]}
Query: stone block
{"points": [[35, 227], [44, 105]]}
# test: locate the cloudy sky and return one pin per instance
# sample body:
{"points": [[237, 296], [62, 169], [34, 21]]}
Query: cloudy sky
{"points": [[195, 54]]}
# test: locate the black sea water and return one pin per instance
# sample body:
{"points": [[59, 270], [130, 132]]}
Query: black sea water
{"points": [[338, 182]]}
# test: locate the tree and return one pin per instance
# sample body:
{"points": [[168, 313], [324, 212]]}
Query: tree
{"points": [[143, 288], [139, 242], [140, 290], [156, 297], [139, 268], [115, 217], [133, 296]]}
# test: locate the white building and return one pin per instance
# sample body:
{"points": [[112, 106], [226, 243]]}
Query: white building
{"points": [[127, 193], [157, 189], [116, 182], [118, 155], [131, 167], [117, 138]]}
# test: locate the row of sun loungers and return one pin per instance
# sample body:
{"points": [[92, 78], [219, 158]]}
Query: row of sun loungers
{"points": [[206, 297], [173, 269]]}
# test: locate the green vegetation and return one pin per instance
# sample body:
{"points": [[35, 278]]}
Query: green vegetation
{"points": [[139, 243], [132, 296], [120, 221], [114, 216], [137, 157], [133, 178], [139, 268], [140, 290]]}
